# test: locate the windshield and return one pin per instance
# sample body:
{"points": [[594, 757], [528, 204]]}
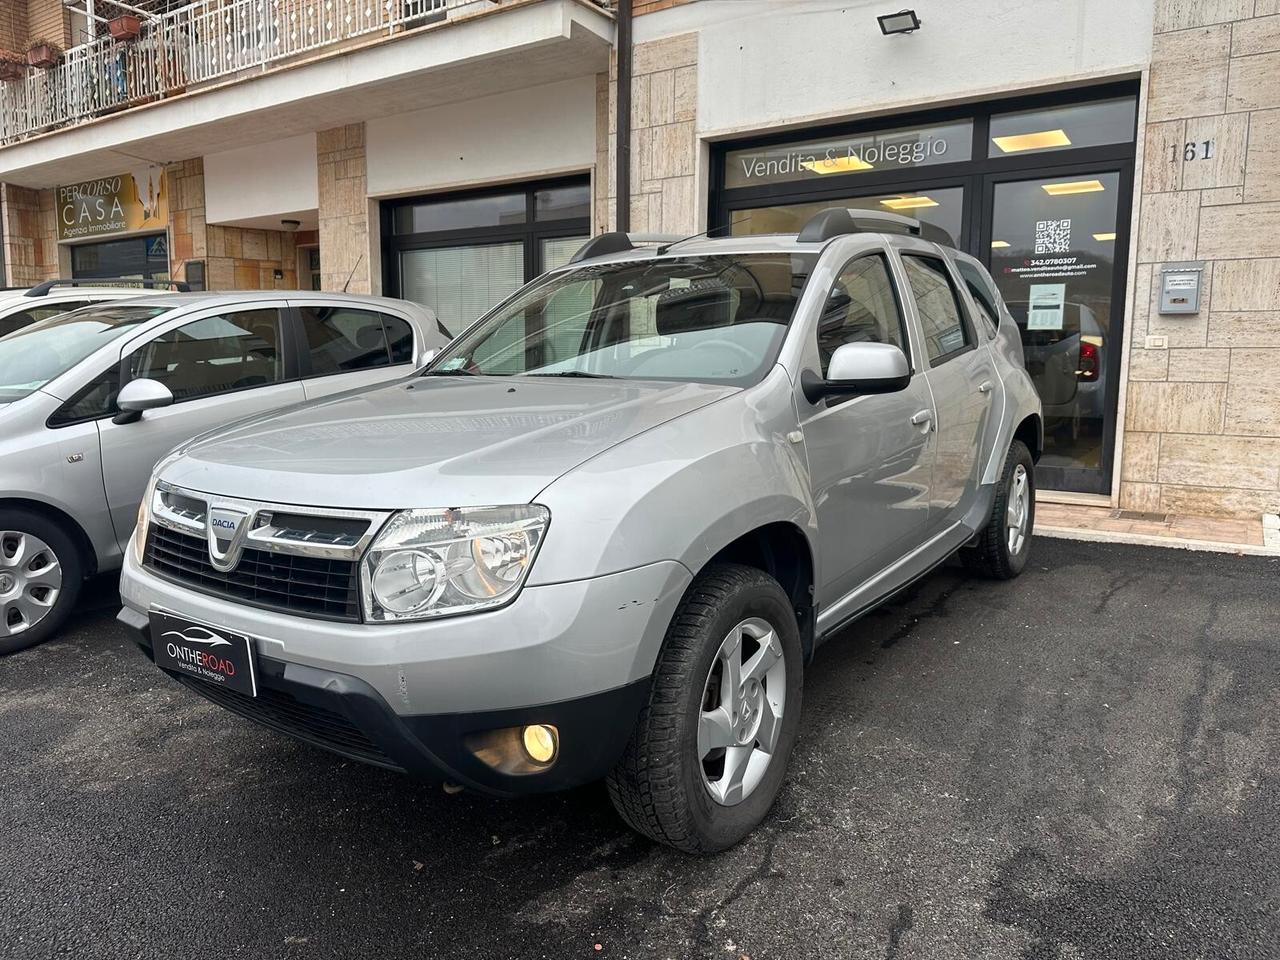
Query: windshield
{"points": [[34, 355], [714, 319]]}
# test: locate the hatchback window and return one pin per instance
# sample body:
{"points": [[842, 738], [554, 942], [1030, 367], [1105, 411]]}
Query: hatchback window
{"points": [[36, 354], [342, 340], [861, 308], [214, 355], [716, 319], [939, 307]]}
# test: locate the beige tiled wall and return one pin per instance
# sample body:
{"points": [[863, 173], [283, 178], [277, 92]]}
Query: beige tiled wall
{"points": [[664, 93], [344, 209], [46, 20], [1202, 420], [30, 227]]}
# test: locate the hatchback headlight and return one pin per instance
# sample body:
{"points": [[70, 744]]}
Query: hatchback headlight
{"points": [[432, 563]]}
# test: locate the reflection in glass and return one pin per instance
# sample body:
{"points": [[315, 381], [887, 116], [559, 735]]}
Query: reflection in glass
{"points": [[1052, 256], [1063, 128], [468, 213], [943, 207], [562, 203], [558, 252]]}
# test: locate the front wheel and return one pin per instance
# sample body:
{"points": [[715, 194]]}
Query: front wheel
{"points": [[40, 576], [709, 751], [1003, 545]]}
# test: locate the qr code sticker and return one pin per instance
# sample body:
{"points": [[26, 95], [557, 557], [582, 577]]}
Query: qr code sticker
{"points": [[1053, 236]]}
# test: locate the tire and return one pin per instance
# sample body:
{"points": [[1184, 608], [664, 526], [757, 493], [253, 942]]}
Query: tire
{"points": [[37, 558], [661, 786], [994, 554]]}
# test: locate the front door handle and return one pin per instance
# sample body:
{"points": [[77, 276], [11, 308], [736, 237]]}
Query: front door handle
{"points": [[921, 418], [984, 386]]}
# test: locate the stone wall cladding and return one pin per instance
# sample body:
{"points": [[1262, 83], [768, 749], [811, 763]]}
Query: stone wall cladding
{"points": [[344, 209], [1202, 417], [30, 236], [235, 258], [664, 144]]}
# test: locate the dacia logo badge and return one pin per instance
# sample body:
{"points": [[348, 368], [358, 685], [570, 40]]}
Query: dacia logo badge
{"points": [[226, 529]]}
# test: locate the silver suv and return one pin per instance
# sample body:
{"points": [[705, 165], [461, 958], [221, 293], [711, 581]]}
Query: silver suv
{"points": [[90, 400], [603, 532]]}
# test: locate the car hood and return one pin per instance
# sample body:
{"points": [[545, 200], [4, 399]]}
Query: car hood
{"points": [[431, 441]]}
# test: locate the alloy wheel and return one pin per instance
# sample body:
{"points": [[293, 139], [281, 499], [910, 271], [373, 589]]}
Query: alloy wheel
{"points": [[30, 581], [1018, 513], [741, 716]]}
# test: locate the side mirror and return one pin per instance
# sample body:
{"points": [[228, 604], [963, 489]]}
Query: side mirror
{"points": [[857, 369], [138, 395]]}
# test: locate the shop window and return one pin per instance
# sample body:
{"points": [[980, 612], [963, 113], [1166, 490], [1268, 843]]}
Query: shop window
{"points": [[433, 216], [1063, 128], [943, 207], [937, 304], [214, 355], [341, 340], [566, 202], [462, 283], [861, 308]]}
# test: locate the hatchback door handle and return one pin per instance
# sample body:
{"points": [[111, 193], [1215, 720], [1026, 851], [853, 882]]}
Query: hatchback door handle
{"points": [[984, 386], [921, 418]]}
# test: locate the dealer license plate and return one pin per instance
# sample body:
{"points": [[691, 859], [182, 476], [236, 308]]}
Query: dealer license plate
{"points": [[205, 652]]}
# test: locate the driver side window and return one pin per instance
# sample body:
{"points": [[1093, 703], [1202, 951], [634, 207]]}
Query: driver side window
{"points": [[862, 307], [234, 351]]}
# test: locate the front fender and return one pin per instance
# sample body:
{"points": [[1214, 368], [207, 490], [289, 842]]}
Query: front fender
{"points": [[682, 490]]}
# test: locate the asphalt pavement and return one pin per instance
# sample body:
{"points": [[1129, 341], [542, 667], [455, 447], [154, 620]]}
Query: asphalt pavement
{"points": [[1084, 763]]}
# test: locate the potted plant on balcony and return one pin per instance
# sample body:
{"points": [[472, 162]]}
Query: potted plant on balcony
{"points": [[43, 54], [124, 27], [13, 65]]}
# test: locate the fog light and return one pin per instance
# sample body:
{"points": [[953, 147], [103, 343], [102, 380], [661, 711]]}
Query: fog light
{"points": [[540, 742]]}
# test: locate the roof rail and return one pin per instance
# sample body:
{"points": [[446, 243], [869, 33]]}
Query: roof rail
{"points": [[840, 221], [619, 242], [42, 289]]}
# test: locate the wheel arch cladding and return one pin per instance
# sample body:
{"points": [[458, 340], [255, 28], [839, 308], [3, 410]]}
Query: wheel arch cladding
{"points": [[1031, 432], [88, 555]]}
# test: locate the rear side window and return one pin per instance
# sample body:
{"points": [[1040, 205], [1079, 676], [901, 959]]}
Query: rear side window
{"points": [[938, 304], [983, 296], [234, 351], [343, 340]]}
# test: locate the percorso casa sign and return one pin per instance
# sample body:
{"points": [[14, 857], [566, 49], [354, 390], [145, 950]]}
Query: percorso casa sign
{"points": [[136, 200]]}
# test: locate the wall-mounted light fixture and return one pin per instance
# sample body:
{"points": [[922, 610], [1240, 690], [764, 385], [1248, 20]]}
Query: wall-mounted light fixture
{"points": [[290, 225], [904, 21]]}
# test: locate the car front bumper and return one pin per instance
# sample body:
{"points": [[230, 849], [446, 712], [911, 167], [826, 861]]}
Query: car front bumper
{"points": [[412, 696]]}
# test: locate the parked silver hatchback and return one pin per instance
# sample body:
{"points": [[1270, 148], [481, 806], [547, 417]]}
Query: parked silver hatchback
{"points": [[90, 400], [603, 532]]}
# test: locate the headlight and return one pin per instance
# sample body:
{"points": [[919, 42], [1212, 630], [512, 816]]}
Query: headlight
{"points": [[432, 563], [144, 517]]}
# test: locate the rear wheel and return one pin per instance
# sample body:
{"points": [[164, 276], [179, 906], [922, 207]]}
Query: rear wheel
{"points": [[41, 572], [1005, 542], [709, 751]]}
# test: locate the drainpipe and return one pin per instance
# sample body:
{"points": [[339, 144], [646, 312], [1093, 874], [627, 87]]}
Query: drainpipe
{"points": [[622, 174]]}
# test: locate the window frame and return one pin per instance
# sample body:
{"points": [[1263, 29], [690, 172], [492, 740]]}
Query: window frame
{"points": [[305, 369], [903, 325], [966, 323], [986, 298]]}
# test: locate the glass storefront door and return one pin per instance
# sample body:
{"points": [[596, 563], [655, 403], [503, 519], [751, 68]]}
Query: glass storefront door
{"points": [[1053, 250]]}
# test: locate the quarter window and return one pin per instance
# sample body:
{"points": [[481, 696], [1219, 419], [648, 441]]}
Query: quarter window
{"points": [[861, 308], [234, 351], [944, 330], [342, 340], [96, 399]]}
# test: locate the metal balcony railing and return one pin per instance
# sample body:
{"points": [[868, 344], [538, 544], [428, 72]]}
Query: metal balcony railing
{"points": [[193, 45]]}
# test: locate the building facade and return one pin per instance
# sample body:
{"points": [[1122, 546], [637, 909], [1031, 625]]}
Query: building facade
{"points": [[1116, 164]]}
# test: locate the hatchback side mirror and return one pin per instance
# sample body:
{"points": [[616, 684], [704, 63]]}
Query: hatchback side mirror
{"points": [[859, 368], [141, 394]]}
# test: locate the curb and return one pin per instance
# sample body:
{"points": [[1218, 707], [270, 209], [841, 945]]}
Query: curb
{"points": [[1147, 540]]}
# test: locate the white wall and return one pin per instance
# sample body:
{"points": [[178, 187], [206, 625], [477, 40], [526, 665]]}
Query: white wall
{"points": [[260, 181], [764, 64], [523, 134]]}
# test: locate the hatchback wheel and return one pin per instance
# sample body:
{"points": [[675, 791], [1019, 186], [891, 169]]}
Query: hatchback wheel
{"points": [[1003, 545], [40, 577], [710, 749]]}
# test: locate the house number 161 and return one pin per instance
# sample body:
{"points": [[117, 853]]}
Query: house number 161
{"points": [[1191, 150]]}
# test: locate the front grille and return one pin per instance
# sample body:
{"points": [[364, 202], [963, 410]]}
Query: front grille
{"points": [[283, 712], [309, 586]]}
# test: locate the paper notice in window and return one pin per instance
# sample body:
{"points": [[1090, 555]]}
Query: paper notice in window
{"points": [[1045, 306]]}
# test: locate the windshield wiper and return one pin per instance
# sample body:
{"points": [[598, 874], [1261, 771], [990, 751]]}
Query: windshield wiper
{"points": [[456, 372], [574, 373]]}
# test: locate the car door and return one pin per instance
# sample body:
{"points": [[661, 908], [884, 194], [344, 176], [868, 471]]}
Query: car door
{"points": [[962, 378], [344, 347], [221, 365], [870, 457]]}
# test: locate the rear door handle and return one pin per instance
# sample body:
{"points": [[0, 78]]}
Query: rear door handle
{"points": [[921, 418], [984, 386]]}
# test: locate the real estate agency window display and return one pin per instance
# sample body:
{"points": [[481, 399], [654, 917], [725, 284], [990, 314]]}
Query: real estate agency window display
{"points": [[1039, 188]]}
